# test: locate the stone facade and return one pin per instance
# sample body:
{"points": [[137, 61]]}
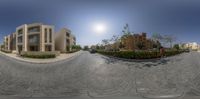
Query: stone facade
{"points": [[38, 37], [64, 40], [35, 37]]}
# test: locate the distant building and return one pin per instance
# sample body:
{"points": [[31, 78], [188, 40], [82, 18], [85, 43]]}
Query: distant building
{"points": [[191, 46], [7, 43], [10, 42], [137, 42]]}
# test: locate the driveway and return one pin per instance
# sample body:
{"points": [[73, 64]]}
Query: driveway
{"points": [[96, 76]]}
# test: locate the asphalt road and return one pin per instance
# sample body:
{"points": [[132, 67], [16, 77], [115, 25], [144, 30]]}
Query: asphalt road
{"points": [[96, 76]]}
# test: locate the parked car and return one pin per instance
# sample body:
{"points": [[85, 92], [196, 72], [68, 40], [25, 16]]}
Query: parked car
{"points": [[92, 51], [187, 50]]}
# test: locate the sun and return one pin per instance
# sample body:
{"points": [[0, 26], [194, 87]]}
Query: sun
{"points": [[99, 28]]}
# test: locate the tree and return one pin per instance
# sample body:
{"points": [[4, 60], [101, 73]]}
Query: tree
{"points": [[157, 37], [164, 38], [140, 45], [76, 47], [176, 46], [155, 46], [114, 38], [116, 42], [169, 39], [125, 32], [105, 41]]}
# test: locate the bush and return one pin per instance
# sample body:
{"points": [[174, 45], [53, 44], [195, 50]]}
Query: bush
{"points": [[6, 51], [39, 55], [139, 54], [173, 52]]}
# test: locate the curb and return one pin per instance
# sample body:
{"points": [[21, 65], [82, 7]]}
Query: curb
{"points": [[136, 60], [26, 61]]}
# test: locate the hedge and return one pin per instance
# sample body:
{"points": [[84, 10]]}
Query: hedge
{"points": [[39, 55], [139, 54], [6, 51]]}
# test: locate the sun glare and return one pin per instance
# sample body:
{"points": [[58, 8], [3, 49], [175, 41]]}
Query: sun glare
{"points": [[99, 28]]}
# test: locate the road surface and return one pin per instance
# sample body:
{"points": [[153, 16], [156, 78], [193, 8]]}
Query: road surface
{"points": [[96, 76]]}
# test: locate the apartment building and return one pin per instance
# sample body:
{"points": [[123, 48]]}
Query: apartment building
{"points": [[137, 41], [191, 46], [7, 43], [64, 39], [10, 42], [39, 37], [13, 42], [35, 37]]}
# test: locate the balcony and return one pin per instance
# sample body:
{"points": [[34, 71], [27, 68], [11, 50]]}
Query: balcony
{"points": [[33, 39], [67, 34], [20, 40], [35, 29], [20, 32], [67, 42]]}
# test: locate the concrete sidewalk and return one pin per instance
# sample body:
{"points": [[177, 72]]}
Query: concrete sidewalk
{"points": [[41, 61]]}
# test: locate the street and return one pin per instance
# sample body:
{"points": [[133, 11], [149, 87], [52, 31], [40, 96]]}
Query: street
{"points": [[94, 75]]}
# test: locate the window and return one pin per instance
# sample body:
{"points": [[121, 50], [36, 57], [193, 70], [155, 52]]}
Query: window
{"points": [[20, 31], [45, 35], [34, 29], [67, 34], [33, 39], [68, 41], [20, 39], [50, 35]]}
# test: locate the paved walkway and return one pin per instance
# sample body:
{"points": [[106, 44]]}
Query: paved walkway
{"points": [[41, 61]]}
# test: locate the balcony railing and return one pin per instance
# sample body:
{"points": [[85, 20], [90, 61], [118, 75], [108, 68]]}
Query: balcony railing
{"points": [[34, 39], [34, 29]]}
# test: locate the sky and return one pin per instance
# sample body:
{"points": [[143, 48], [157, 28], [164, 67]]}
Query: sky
{"points": [[180, 18]]}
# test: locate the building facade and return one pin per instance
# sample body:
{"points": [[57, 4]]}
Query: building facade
{"points": [[35, 37], [39, 37], [137, 42], [64, 40], [10, 42], [7, 43], [191, 46]]}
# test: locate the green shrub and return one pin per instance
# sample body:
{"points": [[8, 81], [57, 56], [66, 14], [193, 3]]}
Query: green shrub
{"points": [[39, 55], [139, 54], [6, 51]]}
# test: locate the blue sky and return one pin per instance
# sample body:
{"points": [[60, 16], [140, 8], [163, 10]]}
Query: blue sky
{"points": [[177, 17]]}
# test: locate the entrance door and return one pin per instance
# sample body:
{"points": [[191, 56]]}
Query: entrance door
{"points": [[48, 48], [34, 48]]}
